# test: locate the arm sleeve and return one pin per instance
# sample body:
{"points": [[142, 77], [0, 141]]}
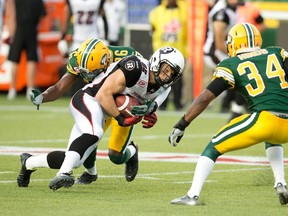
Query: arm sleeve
{"points": [[162, 97], [217, 86]]}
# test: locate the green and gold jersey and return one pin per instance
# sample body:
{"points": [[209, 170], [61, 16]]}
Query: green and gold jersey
{"points": [[259, 76], [117, 53]]}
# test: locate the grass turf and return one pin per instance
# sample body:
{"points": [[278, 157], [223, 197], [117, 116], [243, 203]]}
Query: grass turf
{"points": [[229, 190]]}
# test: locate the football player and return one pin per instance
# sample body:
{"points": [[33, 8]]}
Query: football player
{"points": [[260, 75], [86, 62], [146, 81], [84, 17]]}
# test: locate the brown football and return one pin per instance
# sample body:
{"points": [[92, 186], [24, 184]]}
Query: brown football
{"points": [[124, 104]]}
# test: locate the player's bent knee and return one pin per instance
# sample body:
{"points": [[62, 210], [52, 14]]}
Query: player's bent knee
{"points": [[82, 143], [55, 159], [116, 159]]}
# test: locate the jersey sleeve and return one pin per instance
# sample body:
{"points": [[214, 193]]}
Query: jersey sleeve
{"points": [[132, 69], [152, 16], [163, 96], [222, 71]]}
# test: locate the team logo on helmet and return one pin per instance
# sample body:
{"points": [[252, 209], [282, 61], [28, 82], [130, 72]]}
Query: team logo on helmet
{"points": [[229, 39], [166, 50], [103, 60]]}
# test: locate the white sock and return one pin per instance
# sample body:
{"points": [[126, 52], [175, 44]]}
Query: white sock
{"points": [[203, 168], [72, 159], [92, 171], [36, 161], [275, 157], [132, 150]]}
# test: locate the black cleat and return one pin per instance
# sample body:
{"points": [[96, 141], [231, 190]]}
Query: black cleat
{"points": [[23, 178], [86, 178], [61, 180], [131, 168]]}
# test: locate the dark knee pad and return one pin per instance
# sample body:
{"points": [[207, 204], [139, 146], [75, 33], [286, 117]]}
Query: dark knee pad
{"points": [[82, 143], [55, 159], [118, 159]]}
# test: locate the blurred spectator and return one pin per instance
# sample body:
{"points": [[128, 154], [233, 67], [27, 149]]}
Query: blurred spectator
{"points": [[222, 16], [2, 9], [83, 15], [169, 28], [28, 15], [7, 15], [115, 11], [248, 12]]}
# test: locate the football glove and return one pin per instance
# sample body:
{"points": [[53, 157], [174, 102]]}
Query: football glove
{"points": [[36, 97], [148, 108], [149, 120], [178, 132], [124, 122], [63, 47]]}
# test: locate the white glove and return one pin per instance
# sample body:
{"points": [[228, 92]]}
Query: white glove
{"points": [[62, 47], [36, 97], [178, 131], [175, 136]]}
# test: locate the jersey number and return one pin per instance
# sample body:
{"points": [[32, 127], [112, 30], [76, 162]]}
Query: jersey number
{"points": [[273, 69], [85, 19], [120, 54]]}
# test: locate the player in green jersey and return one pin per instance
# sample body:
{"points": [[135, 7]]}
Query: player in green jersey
{"points": [[261, 76], [86, 62]]}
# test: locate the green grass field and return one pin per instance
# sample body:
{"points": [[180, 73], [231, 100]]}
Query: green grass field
{"points": [[229, 190]]}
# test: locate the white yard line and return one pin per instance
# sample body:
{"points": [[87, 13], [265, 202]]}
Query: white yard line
{"points": [[150, 156]]}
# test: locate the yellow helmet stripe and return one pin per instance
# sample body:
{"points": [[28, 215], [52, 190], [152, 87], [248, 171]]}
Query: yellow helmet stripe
{"points": [[250, 34], [85, 56]]}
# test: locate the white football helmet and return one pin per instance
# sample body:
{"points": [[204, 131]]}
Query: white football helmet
{"points": [[171, 56]]}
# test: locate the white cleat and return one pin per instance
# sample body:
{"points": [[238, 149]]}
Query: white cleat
{"points": [[282, 193], [185, 200]]}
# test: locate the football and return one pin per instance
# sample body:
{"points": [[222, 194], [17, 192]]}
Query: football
{"points": [[124, 104]]}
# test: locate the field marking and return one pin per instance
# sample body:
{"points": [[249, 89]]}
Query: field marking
{"points": [[65, 109], [151, 156], [65, 141], [148, 176]]}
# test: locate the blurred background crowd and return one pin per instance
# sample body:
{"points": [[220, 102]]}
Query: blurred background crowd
{"points": [[38, 35]]}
